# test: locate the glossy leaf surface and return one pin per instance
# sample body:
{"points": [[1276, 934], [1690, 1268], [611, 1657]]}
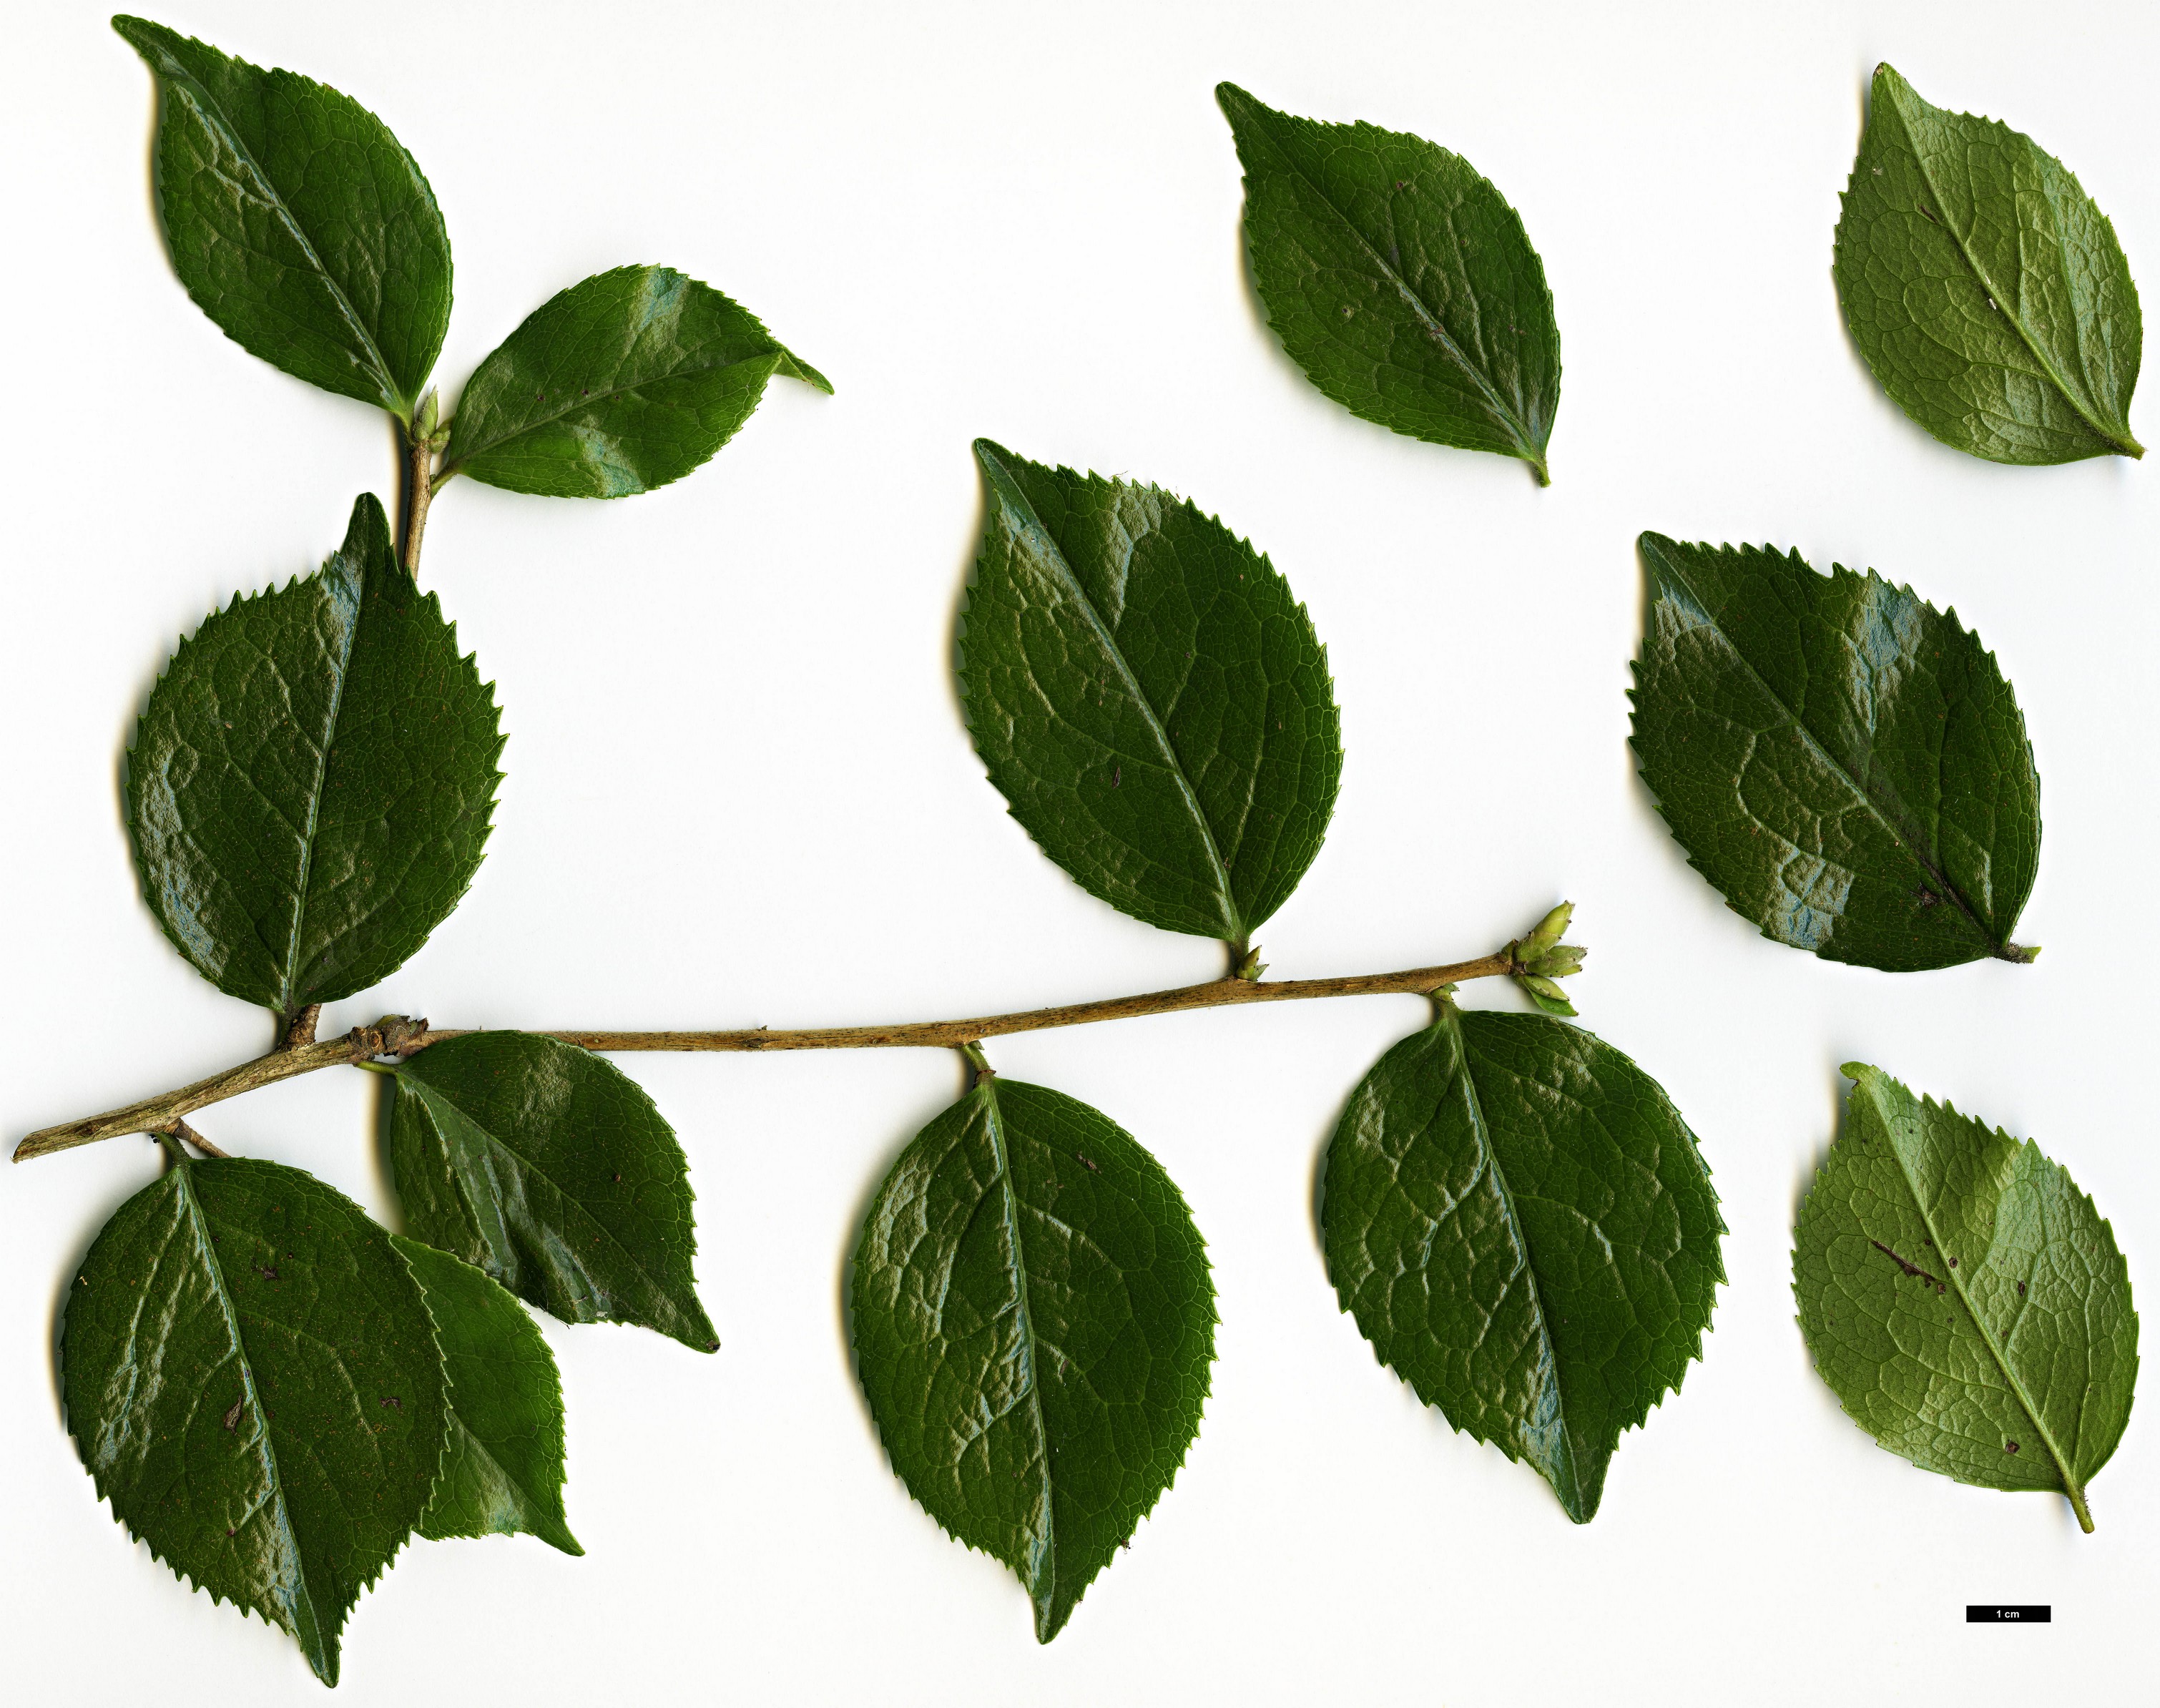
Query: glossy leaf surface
{"points": [[251, 1376], [550, 1169], [616, 385], [1963, 1299], [502, 1466], [1399, 280], [1842, 761], [1148, 697], [1522, 1226], [310, 787], [1984, 289], [296, 222], [1034, 1323]]}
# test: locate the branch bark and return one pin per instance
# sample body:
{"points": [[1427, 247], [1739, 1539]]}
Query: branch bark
{"points": [[394, 1036]]}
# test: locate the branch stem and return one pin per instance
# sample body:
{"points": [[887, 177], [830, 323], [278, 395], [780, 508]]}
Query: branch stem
{"points": [[416, 477], [398, 1038]]}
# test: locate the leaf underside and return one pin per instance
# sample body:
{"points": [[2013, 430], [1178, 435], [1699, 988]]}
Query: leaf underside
{"points": [[310, 787], [1521, 1224], [252, 1378], [1983, 288], [1845, 763], [1034, 1323], [502, 1468], [621, 383], [549, 1169], [1399, 280], [296, 222], [1962, 1298], [1148, 697]]}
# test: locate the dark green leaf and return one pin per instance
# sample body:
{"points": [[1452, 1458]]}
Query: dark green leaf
{"points": [[1399, 280], [1983, 288], [548, 1168], [310, 787], [1148, 697], [502, 1471], [1521, 1224], [1034, 1321], [616, 386], [296, 222], [1845, 763], [1963, 1298], [251, 1376]]}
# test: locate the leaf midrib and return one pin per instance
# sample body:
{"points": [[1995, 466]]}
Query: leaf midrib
{"points": [[1483, 1128], [1008, 1212], [1867, 798], [341, 676], [1008, 490], [1996, 298], [214, 117], [2071, 1486], [199, 1228], [1432, 323], [588, 399]]}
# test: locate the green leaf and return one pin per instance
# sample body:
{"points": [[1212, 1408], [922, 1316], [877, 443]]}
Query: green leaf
{"points": [[1521, 1224], [502, 1470], [550, 1169], [1963, 1299], [309, 788], [252, 1378], [1147, 697], [1034, 1321], [1845, 763], [616, 386], [296, 222], [1399, 280], [1983, 288]]}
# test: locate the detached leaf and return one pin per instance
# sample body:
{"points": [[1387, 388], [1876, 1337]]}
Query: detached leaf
{"points": [[251, 1376], [310, 787], [1521, 1224], [1963, 1299], [1148, 697], [548, 1168], [1034, 1323], [296, 222], [1399, 280], [1845, 763], [1983, 288], [616, 386], [502, 1471]]}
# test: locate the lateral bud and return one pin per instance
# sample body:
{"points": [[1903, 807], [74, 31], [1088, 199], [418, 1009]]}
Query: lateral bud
{"points": [[1249, 966], [1540, 957]]}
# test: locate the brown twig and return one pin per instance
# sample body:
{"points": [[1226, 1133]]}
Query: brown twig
{"points": [[394, 1035]]}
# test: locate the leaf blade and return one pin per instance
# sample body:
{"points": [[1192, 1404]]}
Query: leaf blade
{"points": [[502, 1465], [310, 787], [1148, 697], [624, 382], [1985, 290], [548, 1168], [1962, 1298], [296, 222], [1523, 1229], [1844, 764], [1399, 279], [1029, 1243], [253, 1381]]}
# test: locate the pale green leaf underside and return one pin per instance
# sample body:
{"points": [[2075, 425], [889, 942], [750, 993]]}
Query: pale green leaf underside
{"points": [[1963, 1299], [1983, 287], [1034, 1321]]}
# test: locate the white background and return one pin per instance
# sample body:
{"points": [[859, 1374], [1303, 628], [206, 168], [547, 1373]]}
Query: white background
{"points": [[739, 792]]}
